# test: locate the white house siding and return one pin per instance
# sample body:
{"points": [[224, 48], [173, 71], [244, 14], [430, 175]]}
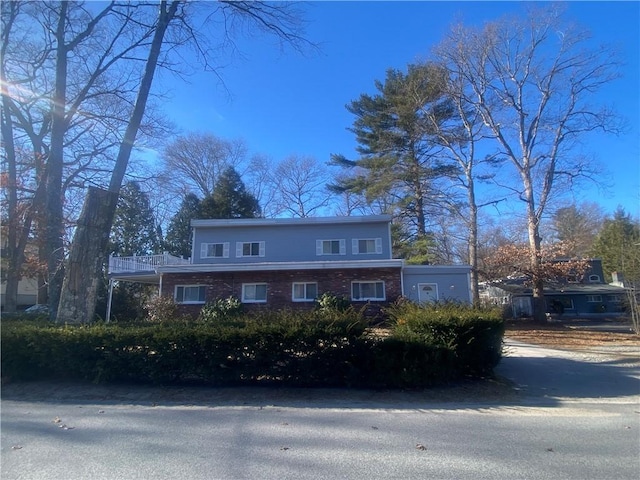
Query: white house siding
{"points": [[27, 292]]}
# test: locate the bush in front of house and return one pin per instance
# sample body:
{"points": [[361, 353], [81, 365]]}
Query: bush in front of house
{"points": [[286, 348], [221, 309], [329, 304], [473, 336]]}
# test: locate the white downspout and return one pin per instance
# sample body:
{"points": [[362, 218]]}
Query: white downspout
{"points": [[109, 300]]}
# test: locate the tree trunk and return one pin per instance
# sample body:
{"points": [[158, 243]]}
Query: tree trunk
{"points": [[53, 245], [88, 250], [87, 256], [13, 262], [473, 244], [538, 303]]}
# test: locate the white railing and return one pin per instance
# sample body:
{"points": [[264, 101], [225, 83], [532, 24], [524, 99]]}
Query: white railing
{"points": [[143, 263]]}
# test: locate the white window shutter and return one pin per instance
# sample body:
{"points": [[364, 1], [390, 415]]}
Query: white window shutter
{"points": [[319, 247], [262, 249], [238, 249], [354, 246], [343, 247], [378, 245], [225, 250]]}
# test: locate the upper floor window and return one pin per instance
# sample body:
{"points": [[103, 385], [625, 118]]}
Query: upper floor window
{"points": [[305, 292], [366, 245], [250, 249], [367, 291], [331, 247], [190, 293], [594, 298], [594, 278], [215, 250], [254, 292]]}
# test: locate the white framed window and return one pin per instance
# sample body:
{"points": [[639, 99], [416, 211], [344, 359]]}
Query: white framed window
{"points": [[594, 298], [304, 291], [362, 291], [331, 247], [361, 246], [254, 293], [594, 278], [250, 249], [190, 294], [215, 250]]}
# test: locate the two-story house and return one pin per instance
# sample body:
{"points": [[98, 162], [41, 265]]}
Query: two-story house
{"points": [[289, 262]]}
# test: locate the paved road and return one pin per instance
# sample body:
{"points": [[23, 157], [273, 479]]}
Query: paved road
{"points": [[560, 415]]}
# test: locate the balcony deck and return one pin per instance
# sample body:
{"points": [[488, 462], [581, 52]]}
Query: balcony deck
{"points": [[142, 267]]}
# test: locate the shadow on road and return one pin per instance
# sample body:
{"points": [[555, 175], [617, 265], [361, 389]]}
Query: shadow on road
{"points": [[548, 379]]}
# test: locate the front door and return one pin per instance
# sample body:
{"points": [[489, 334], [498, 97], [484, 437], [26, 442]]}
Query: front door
{"points": [[427, 292]]}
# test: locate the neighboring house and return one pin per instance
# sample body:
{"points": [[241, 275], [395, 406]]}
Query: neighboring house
{"points": [[278, 263], [27, 286], [27, 293], [588, 295]]}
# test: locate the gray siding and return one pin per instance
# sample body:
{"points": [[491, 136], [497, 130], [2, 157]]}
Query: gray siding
{"points": [[292, 242], [452, 281]]}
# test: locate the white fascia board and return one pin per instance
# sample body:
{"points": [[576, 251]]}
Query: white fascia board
{"points": [[275, 266], [433, 269], [254, 222]]}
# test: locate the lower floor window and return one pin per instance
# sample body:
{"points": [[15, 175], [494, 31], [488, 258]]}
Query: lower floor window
{"points": [[594, 298], [305, 292], [190, 293], [254, 292], [367, 290], [559, 304], [616, 298]]}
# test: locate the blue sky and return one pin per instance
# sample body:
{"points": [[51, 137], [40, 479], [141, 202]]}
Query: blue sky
{"points": [[283, 103]]}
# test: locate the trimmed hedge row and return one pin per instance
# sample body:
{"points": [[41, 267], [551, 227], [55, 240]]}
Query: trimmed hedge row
{"points": [[280, 348]]}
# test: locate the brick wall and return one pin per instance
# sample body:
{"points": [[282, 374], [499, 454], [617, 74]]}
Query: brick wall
{"points": [[279, 285]]}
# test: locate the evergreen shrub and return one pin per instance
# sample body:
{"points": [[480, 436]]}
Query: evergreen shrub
{"points": [[473, 335], [221, 309], [423, 347]]}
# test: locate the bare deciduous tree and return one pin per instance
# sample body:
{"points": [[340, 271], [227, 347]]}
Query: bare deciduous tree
{"points": [[300, 186], [63, 105], [88, 249], [461, 136], [196, 160], [532, 82]]}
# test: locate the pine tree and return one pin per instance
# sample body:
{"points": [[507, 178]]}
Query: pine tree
{"points": [[399, 155], [134, 230], [618, 246], [178, 240], [577, 227], [230, 199]]}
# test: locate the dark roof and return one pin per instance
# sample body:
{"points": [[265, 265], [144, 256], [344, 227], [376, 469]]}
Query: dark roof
{"points": [[518, 286]]}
